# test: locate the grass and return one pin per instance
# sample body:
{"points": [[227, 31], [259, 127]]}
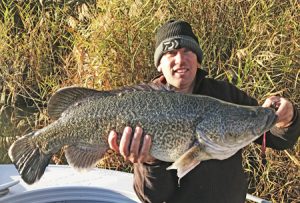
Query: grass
{"points": [[106, 44]]}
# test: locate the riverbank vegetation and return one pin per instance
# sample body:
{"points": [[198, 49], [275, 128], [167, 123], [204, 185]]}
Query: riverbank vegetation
{"points": [[104, 44]]}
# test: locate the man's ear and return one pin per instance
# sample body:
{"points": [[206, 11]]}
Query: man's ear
{"points": [[159, 68]]}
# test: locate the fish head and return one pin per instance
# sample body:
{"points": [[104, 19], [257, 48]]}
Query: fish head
{"points": [[257, 120], [237, 124], [247, 123], [232, 127]]}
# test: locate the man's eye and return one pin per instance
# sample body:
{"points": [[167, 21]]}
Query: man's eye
{"points": [[171, 53]]}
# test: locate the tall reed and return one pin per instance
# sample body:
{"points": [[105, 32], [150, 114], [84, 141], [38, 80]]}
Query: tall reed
{"points": [[105, 44]]}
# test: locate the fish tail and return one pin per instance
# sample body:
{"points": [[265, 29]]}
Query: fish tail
{"points": [[28, 158]]}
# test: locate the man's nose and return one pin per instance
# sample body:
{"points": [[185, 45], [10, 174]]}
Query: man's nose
{"points": [[179, 57]]}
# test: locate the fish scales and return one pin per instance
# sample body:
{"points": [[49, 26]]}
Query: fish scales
{"points": [[84, 121], [185, 129]]}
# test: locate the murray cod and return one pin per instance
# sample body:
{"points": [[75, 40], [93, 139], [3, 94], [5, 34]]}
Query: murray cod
{"points": [[185, 129]]}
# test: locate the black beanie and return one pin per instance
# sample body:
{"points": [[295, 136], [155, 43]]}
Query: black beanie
{"points": [[175, 34]]}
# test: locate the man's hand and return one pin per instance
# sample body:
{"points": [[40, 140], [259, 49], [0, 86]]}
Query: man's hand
{"points": [[134, 153], [284, 110]]}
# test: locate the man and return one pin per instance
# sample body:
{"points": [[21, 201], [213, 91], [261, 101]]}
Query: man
{"points": [[178, 56]]}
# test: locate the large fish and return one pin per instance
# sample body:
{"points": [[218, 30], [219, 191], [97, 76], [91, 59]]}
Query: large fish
{"points": [[186, 129]]}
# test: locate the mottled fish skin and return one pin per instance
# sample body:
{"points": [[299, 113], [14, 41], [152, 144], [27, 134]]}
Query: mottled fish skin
{"points": [[175, 121]]}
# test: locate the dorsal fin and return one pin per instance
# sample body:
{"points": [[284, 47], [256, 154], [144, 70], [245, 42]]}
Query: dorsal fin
{"points": [[65, 97], [144, 87]]}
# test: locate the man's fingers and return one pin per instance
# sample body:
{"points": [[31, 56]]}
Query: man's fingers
{"points": [[144, 153], [135, 144], [284, 110], [285, 113], [112, 141], [134, 148], [125, 141], [269, 102]]}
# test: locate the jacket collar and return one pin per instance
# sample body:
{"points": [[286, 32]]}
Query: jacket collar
{"points": [[200, 75]]}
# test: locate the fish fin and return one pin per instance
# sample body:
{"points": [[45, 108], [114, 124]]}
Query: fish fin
{"points": [[281, 137], [66, 97], [29, 159], [277, 132], [83, 157], [144, 87], [188, 161]]}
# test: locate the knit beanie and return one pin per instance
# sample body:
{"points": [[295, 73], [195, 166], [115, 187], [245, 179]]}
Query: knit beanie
{"points": [[175, 34]]}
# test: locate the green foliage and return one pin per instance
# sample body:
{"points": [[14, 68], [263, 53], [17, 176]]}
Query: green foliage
{"points": [[104, 44]]}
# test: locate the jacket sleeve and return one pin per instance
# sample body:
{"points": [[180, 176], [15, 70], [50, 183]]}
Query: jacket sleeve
{"points": [[277, 138], [153, 183]]}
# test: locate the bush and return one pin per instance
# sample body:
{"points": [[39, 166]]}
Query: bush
{"points": [[105, 44]]}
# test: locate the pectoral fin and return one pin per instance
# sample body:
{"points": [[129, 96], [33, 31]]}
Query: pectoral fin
{"points": [[189, 160]]}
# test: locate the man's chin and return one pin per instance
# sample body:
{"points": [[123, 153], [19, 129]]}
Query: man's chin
{"points": [[179, 83]]}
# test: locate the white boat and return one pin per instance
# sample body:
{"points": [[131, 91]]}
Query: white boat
{"points": [[62, 184]]}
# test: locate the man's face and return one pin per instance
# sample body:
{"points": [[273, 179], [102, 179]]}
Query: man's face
{"points": [[179, 67]]}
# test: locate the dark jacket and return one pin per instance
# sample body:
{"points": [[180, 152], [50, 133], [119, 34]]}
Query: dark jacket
{"points": [[212, 181]]}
